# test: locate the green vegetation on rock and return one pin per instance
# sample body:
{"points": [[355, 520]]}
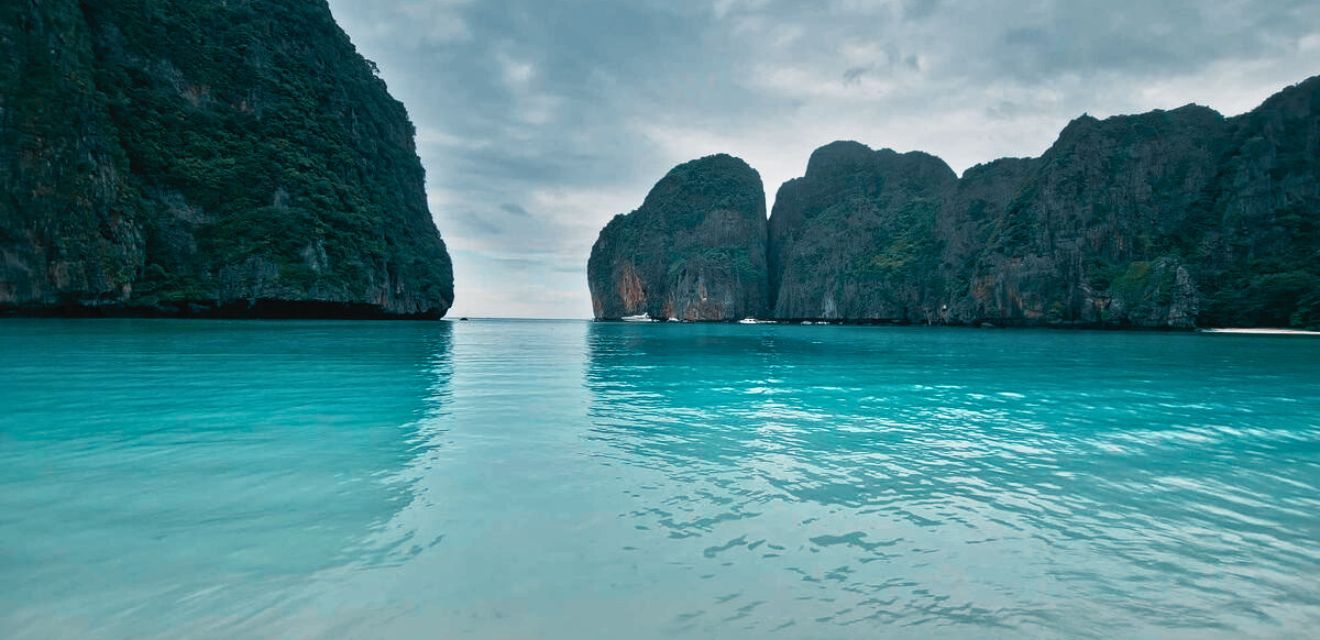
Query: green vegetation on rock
{"points": [[207, 156], [1169, 219], [694, 250]]}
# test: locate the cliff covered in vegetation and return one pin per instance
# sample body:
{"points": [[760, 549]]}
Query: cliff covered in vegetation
{"points": [[1169, 219], [206, 157], [694, 250]]}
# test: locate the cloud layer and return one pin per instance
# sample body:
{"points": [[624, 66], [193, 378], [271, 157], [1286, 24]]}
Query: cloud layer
{"points": [[538, 121]]}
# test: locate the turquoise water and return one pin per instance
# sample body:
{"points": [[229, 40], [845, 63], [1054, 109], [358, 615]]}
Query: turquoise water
{"points": [[505, 479]]}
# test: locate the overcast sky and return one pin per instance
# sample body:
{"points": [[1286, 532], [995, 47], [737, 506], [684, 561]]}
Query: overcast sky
{"points": [[539, 120]]}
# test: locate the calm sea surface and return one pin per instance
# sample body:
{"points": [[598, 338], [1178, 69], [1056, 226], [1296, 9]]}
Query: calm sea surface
{"points": [[507, 479]]}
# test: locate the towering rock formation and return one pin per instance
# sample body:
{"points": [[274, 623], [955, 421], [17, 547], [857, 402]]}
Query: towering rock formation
{"points": [[66, 228], [206, 157], [1095, 232], [1046, 241], [694, 250], [854, 239], [1260, 253], [1169, 219]]}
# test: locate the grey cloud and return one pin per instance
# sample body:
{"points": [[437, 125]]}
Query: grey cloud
{"points": [[854, 74], [1147, 38], [474, 222], [918, 9]]}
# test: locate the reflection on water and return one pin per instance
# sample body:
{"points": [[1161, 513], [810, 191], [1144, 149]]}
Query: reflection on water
{"points": [[505, 479], [158, 476], [969, 484]]}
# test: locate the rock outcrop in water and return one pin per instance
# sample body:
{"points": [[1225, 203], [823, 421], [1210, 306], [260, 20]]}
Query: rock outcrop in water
{"points": [[1082, 235], [1166, 219], [206, 157], [1094, 232], [694, 250], [854, 238], [1169, 219]]}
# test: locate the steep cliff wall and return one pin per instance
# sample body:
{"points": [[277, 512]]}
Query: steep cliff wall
{"points": [[1260, 256], [206, 157], [68, 223], [1167, 219], [855, 238], [694, 250], [1096, 233]]}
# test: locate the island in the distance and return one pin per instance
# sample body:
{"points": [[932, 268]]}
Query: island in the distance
{"points": [[1169, 219], [206, 158]]}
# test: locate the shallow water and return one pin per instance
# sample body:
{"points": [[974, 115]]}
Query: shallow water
{"points": [[507, 479]]}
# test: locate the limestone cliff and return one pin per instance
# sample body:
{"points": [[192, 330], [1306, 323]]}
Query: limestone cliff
{"points": [[854, 239], [206, 157], [1095, 232], [1169, 219], [694, 250], [1259, 250]]}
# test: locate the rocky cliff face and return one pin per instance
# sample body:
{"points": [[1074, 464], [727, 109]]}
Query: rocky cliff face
{"points": [[206, 157], [1094, 233], [855, 238], [694, 250], [65, 231], [1160, 220], [1259, 255], [1169, 219]]}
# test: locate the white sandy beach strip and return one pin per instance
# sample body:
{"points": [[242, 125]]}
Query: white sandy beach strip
{"points": [[1265, 332]]}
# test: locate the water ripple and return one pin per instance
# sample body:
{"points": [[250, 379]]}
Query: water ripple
{"points": [[1046, 489], [504, 479]]}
